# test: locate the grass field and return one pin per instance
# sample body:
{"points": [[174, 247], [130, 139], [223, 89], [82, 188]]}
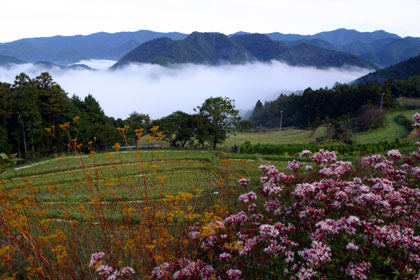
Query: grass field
{"points": [[390, 132], [138, 205], [409, 101], [121, 176], [287, 136]]}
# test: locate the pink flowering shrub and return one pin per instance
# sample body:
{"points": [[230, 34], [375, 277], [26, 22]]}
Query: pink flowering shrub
{"points": [[334, 226], [107, 272]]}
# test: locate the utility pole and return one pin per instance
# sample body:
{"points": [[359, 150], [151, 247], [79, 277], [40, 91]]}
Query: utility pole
{"points": [[382, 99], [281, 119]]}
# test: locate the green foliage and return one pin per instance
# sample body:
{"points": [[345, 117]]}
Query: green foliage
{"points": [[341, 102], [6, 160], [344, 150], [402, 71]]}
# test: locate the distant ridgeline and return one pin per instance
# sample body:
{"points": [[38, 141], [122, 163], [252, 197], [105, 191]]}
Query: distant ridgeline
{"points": [[217, 48], [379, 47], [312, 107]]}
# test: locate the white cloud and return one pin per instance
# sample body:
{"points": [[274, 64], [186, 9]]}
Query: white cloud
{"points": [[159, 91], [99, 64]]}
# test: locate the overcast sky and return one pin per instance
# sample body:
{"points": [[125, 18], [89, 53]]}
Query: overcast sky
{"points": [[41, 18]]}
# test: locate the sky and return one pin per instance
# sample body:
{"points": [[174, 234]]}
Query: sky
{"points": [[43, 18]]}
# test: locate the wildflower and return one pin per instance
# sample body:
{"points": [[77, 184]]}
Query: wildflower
{"points": [[207, 271], [94, 258], [294, 165], [323, 157], [104, 270], [308, 168], [226, 257], [160, 271], [352, 246], [247, 197], [234, 274], [394, 154], [116, 147], [305, 153], [371, 160], [243, 182], [305, 273], [317, 255], [358, 270]]}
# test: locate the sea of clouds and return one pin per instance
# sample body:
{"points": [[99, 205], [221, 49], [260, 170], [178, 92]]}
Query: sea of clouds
{"points": [[159, 91]]}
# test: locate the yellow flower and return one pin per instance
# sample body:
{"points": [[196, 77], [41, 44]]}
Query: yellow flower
{"points": [[116, 147]]}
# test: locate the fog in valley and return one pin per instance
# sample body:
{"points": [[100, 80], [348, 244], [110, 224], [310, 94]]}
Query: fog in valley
{"points": [[159, 91]]}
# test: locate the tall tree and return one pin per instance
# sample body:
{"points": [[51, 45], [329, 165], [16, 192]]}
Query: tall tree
{"points": [[221, 112]]}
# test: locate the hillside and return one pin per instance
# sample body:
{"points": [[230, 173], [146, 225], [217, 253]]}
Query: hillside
{"points": [[378, 47], [400, 71], [71, 49], [6, 60], [216, 48]]}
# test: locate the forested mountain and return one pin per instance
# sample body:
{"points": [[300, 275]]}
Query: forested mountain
{"points": [[382, 52], [216, 48], [378, 47], [339, 37], [342, 102], [6, 60], [71, 49], [401, 71]]}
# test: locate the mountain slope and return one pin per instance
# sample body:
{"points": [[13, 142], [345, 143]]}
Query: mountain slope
{"points": [[401, 71], [198, 48], [308, 55], [70, 49], [339, 37], [6, 60], [216, 48]]}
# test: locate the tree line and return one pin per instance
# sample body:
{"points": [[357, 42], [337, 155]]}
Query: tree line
{"points": [[343, 101], [30, 105]]}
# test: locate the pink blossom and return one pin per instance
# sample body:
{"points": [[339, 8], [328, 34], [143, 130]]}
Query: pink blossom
{"points": [[352, 246], [323, 157], [161, 270], [207, 271], [95, 257], [394, 154], [127, 271], [268, 231], [236, 219], [308, 168], [305, 153], [371, 160], [234, 274], [243, 182], [225, 257], [317, 255], [305, 273], [358, 270], [294, 165], [104, 270], [416, 172], [247, 197], [416, 116]]}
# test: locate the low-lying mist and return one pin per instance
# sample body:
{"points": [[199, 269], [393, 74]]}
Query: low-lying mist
{"points": [[159, 91]]}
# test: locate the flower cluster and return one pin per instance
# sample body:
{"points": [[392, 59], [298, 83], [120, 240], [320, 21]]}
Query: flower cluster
{"points": [[334, 226], [108, 272]]}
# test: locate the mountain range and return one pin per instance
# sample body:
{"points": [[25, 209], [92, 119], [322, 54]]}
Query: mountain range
{"points": [[379, 47], [217, 48], [400, 71]]}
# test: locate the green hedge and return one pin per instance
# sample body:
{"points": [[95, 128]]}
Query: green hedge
{"points": [[294, 149]]}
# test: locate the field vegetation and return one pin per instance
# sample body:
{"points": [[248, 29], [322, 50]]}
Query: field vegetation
{"points": [[170, 214]]}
